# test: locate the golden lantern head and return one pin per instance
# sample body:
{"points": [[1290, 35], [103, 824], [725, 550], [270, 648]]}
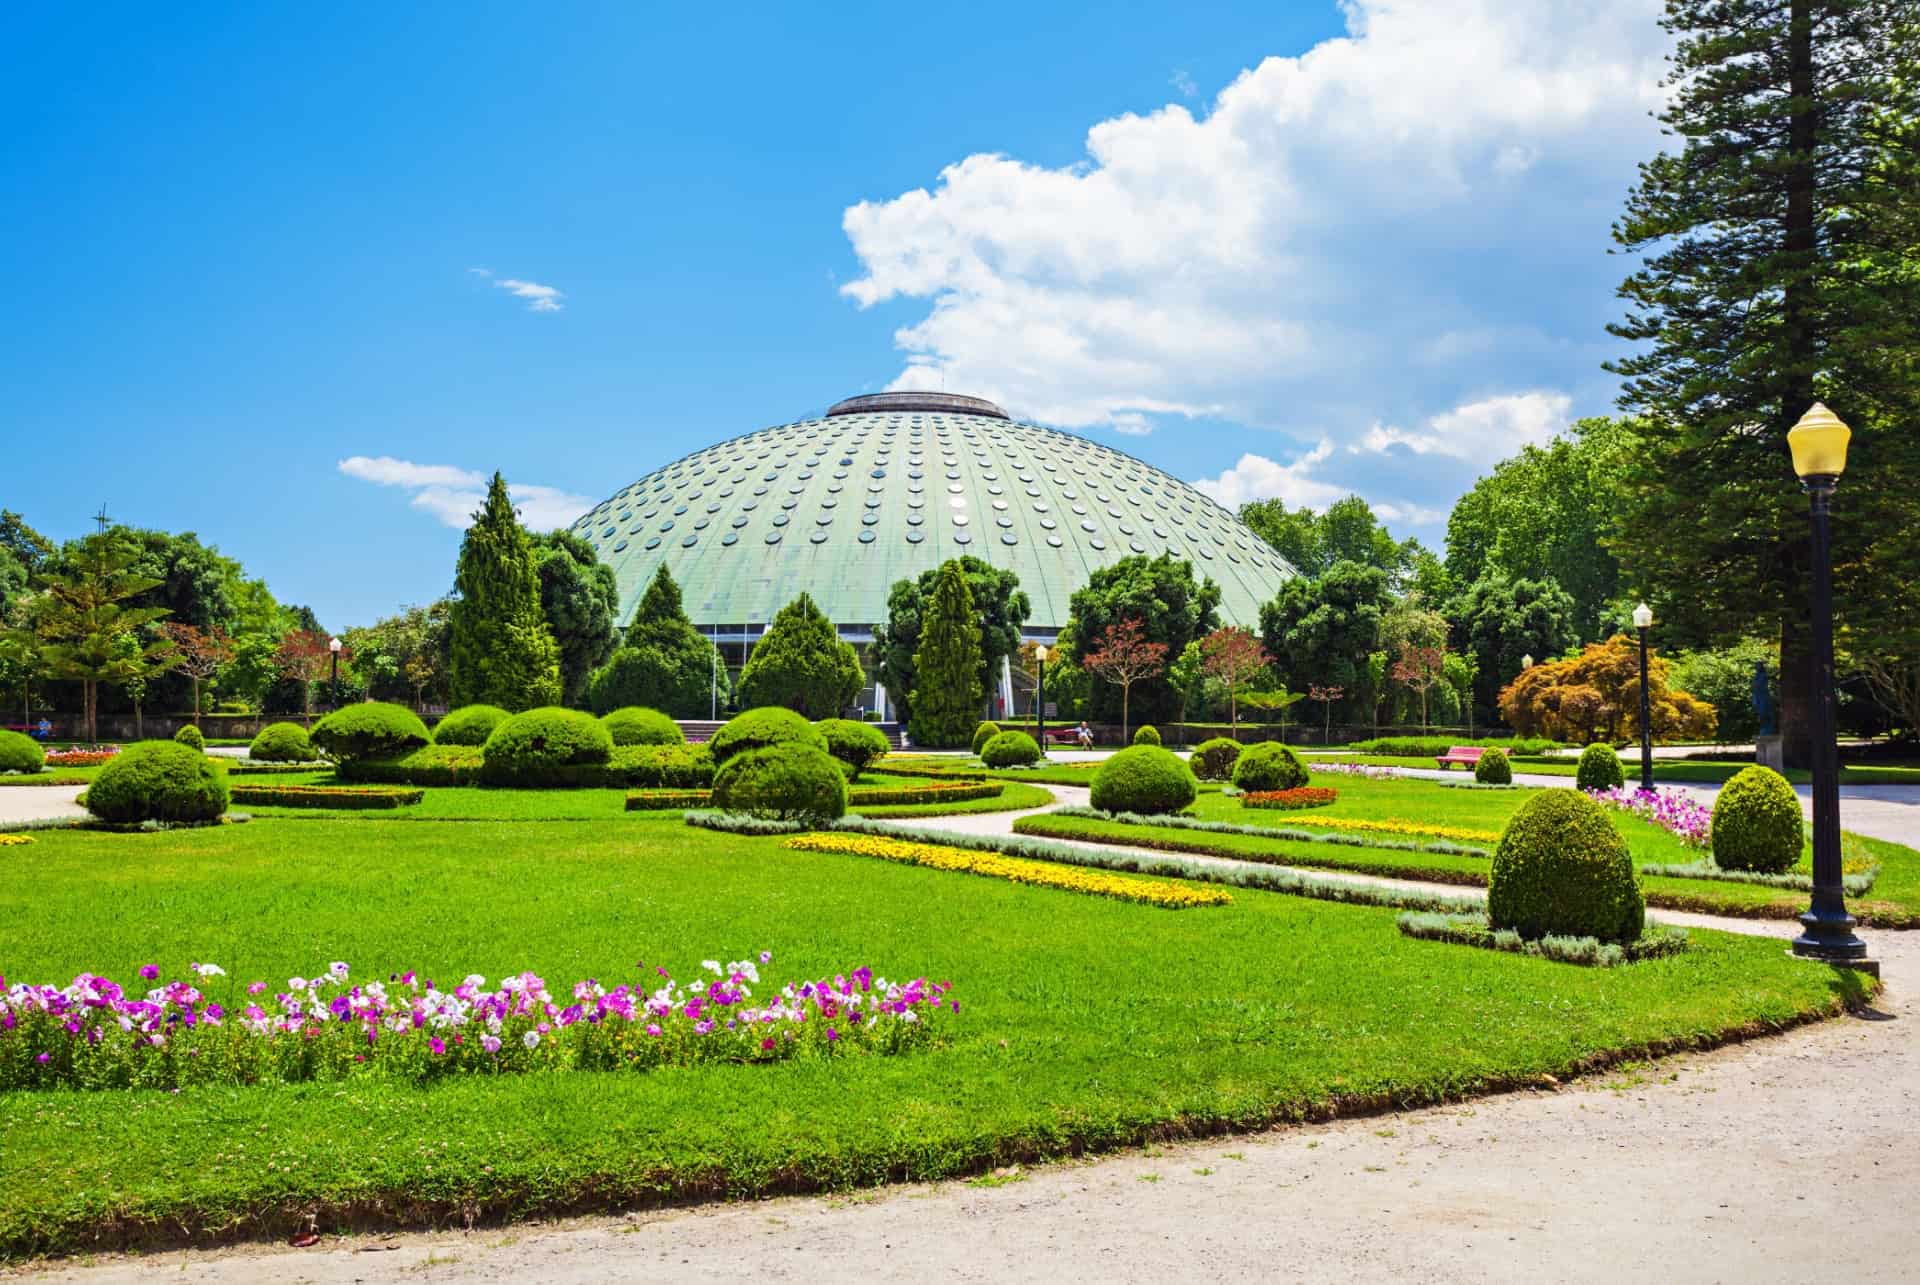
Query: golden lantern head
{"points": [[1642, 616], [1819, 443]]}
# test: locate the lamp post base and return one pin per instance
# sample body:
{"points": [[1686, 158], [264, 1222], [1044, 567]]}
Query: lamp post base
{"points": [[1829, 939]]}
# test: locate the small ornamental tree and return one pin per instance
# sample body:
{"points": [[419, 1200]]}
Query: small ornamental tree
{"points": [[85, 628], [1124, 658], [304, 656], [199, 654], [1232, 657], [801, 664], [662, 662], [502, 651], [946, 701], [1596, 696], [1418, 669], [1326, 696]]}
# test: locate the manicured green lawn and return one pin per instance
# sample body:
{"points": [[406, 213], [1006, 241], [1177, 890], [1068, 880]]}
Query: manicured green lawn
{"points": [[1086, 1022]]}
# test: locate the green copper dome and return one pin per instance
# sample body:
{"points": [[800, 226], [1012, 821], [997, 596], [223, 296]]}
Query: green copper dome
{"points": [[888, 486]]}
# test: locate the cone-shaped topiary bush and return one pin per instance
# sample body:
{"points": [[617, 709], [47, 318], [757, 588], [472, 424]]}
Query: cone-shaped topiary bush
{"points": [[20, 753], [190, 737], [159, 781], [283, 743], [469, 725], [636, 725], [1493, 768], [1143, 778], [374, 730], [1268, 765], [800, 663], [856, 745], [1756, 823], [1147, 734], [1010, 749], [1562, 869], [1213, 760], [1600, 768], [758, 728], [526, 748], [789, 782], [984, 733]]}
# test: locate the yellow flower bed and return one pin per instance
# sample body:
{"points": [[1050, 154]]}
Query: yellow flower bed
{"points": [[1461, 833], [1040, 874], [14, 840]]}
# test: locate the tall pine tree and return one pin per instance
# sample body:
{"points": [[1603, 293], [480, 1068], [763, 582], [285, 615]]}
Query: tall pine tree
{"points": [[947, 696], [801, 663], [662, 662], [503, 652], [1779, 270]]}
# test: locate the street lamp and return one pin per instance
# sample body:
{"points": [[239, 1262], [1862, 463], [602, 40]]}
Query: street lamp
{"points": [[1819, 446], [1643, 621], [1040, 694], [333, 645], [1526, 661]]}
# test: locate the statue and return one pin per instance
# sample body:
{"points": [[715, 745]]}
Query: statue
{"points": [[1763, 701]]}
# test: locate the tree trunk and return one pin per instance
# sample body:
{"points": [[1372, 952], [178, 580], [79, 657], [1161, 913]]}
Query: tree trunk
{"points": [[1126, 690], [196, 700], [139, 721], [89, 692]]}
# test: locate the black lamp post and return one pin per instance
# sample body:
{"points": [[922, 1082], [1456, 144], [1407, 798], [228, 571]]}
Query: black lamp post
{"points": [[333, 646], [1040, 694], [1819, 446], [1642, 621]]}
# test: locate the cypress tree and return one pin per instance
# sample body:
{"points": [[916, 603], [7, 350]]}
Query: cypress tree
{"points": [[662, 662], [802, 664], [502, 651], [947, 696]]}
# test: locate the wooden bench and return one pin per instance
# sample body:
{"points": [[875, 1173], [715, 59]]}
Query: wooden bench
{"points": [[1466, 755], [1063, 736]]}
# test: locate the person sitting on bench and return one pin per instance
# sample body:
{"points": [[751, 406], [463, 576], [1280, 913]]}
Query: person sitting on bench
{"points": [[1084, 735]]}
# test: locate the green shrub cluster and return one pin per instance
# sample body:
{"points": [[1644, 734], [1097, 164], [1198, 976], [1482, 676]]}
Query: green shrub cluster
{"points": [[638, 725], [1600, 768], [855, 744], [1493, 768], [354, 798], [469, 725], [1144, 778], [787, 782], [373, 730], [756, 729], [1756, 823], [1213, 760], [1010, 749], [1147, 734], [190, 737], [20, 753], [282, 743], [158, 781], [984, 733], [1429, 746], [631, 767], [534, 747], [1562, 870], [1268, 765]]}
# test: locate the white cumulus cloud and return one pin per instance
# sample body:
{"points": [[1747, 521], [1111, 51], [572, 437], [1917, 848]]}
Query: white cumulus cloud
{"points": [[1482, 433], [454, 494], [539, 298]]}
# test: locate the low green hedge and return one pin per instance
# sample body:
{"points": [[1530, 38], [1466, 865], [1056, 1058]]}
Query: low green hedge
{"points": [[1010, 749], [856, 745], [545, 746], [983, 733], [469, 725], [190, 737], [371, 730], [1600, 768], [871, 796], [756, 729], [667, 800], [20, 753], [631, 767], [158, 781], [283, 743], [246, 767], [638, 725], [349, 798], [1425, 746]]}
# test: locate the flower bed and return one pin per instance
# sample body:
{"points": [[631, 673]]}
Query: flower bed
{"points": [[93, 1035], [15, 840], [667, 800], [1361, 826], [1169, 896], [1674, 811], [1473, 929], [352, 797], [81, 758], [1364, 770], [1301, 796], [258, 767]]}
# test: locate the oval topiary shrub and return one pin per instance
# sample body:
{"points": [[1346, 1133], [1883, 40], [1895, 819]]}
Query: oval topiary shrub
{"points": [[372, 730], [469, 725], [1213, 760], [638, 725], [1756, 823], [1143, 778], [1562, 869], [20, 753], [1600, 768], [1268, 765], [283, 743], [158, 781], [1493, 768], [532, 743], [758, 728], [1010, 749], [190, 737], [1147, 734], [789, 782], [984, 733], [855, 744]]}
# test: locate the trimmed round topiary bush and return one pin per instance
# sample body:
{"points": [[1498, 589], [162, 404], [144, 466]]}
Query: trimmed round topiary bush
{"points": [[1600, 768], [373, 730], [283, 743], [638, 725], [158, 781], [1213, 760], [190, 737], [1562, 870], [469, 725], [857, 745], [984, 733], [1143, 778], [1010, 749], [1147, 734], [537, 740], [1268, 765], [20, 753], [789, 782], [1756, 823], [758, 728], [1493, 768]]}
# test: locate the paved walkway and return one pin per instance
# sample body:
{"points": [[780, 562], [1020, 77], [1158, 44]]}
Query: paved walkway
{"points": [[38, 803]]}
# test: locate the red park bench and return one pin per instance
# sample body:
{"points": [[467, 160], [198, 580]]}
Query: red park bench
{"points": [[1063, 736], [1467, 755]]}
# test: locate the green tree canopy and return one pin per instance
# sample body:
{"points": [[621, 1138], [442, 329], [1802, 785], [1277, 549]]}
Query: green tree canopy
{"points": [[22, 550], [1173, 608], [662, 661], [1497, 621], [1319, 631], [947, 700], [999, 603], [87, 630], [501, 650], [1346, 531], [580, 599], [802, 664]]}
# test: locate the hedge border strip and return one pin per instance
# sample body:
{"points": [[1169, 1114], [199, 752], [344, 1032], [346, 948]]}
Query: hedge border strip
{"points": [[1176, 822], [1660, 941], [346, 798]]}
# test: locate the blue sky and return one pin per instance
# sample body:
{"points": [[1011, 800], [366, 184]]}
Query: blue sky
{"points": [[1290, 250]]}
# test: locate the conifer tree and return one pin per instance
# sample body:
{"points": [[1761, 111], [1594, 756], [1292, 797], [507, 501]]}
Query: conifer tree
{"points": [[947, 697], [802, 664], [662, 662], [502, 652], [85, 628]]}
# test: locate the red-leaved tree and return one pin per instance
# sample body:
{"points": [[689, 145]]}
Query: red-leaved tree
{"points": [[1232, 656], [1418, 669], [1125, 657], [304, 656], [198, 654], [1326, 696]]}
